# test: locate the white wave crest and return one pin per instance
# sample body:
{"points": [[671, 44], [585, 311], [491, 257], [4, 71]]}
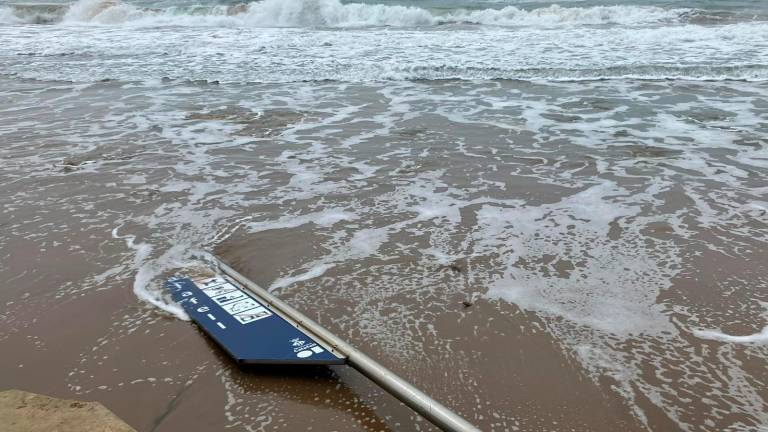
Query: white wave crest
{"points": [[8, 17], [103, 12], [558, 15], [332, 13]]}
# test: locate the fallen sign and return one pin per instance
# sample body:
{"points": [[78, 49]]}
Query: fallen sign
{"points": [[254, 326], [246, 328]]}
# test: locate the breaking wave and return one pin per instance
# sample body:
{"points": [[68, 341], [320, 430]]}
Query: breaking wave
{"points": [[7, 16], [332, 13]]}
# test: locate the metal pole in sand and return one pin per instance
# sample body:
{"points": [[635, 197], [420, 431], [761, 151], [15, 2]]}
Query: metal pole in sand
{"points": [[429, 408]]}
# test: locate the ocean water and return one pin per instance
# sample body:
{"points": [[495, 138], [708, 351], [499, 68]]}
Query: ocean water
{"points": [[298, 40], [592, 176]]}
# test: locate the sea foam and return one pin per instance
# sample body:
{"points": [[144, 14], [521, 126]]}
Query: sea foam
{"points": [[756, 338]]}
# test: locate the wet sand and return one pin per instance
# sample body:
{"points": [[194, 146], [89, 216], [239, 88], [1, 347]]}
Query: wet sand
{"points": [[593, 230]]}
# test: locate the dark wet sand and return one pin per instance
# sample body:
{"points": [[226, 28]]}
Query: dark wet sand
{"points": [[72, 327], [497, 362], [486, 369]]}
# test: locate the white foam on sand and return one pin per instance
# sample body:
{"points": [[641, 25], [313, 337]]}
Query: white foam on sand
{"points": [[324, 218], [756, 338], [314, 272], [759, 338], [616, 293], [148, 270]]}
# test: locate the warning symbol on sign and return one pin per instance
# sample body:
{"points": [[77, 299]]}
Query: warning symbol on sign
{"points": [[252, 315], [210, 282], [240, 306], [219, 290]]}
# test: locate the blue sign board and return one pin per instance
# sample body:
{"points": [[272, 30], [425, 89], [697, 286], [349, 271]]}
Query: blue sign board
{"points": [[248, 330]]}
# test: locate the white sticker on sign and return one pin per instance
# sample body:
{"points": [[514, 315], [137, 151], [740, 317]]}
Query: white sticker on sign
{"points": [[210, 282], [219, 290], [240, 306], [232, 299], [252, 315], [229, 297]]}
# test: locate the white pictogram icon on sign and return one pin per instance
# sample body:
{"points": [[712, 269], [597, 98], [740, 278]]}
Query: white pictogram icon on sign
{"points": [[297, 342]]}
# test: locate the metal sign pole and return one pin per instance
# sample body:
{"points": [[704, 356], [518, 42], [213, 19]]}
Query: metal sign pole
{"points": [[429, 408]]}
